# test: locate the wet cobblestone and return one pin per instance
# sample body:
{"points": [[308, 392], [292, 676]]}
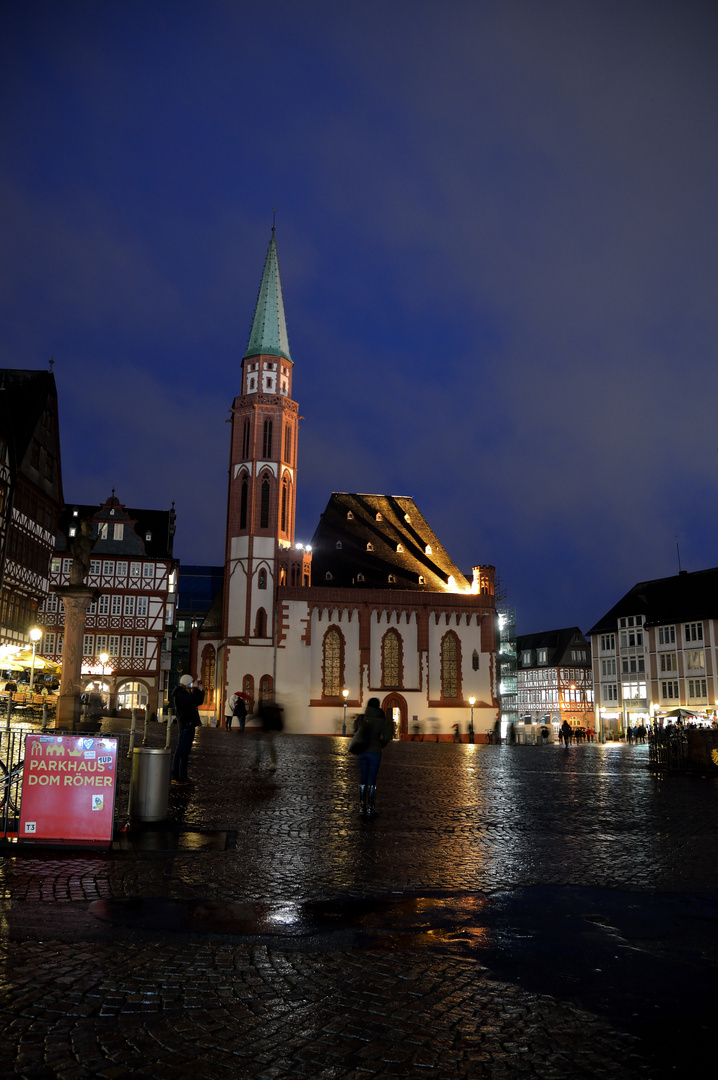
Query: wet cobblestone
{"points": [[480, 820]]}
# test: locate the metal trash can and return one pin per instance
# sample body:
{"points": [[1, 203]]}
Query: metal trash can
{"points": [[150, 783]]}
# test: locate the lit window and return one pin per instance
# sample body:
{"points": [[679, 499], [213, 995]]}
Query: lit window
{"points": [[391, 660], [427, 549], [370, 546], [333, 674], [399, 548], [118, 532], [450, 666]]}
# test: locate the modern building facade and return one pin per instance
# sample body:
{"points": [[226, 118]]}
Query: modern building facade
{"points": [[133, 620], [555, 680], [375, 608], [30, 497], [655, 652]]}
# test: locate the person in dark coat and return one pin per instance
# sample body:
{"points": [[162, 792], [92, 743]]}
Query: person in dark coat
{"points": [[377, 731], [188, 696]]}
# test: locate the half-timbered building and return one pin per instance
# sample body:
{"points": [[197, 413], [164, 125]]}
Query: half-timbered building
{"points": [[375, 607], [133, 620], [30, 496]]}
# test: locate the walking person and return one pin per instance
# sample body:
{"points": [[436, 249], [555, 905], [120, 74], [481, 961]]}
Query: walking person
{"points": [[375, 731], [566, 732], [188, 696], [234, 706], [270, 713]]}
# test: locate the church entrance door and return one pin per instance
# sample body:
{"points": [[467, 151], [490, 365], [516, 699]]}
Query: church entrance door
{"points": [[394, 706]]}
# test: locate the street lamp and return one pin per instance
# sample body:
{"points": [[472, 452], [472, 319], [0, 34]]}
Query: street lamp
{"points": [[345, 695], [472, 702], [35, 635]]}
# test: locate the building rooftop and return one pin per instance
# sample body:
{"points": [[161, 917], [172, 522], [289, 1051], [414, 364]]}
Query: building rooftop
{"points": [[673, 599]]}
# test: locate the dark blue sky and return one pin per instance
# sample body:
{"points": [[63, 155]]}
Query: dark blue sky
{"points": [[497, 234]]}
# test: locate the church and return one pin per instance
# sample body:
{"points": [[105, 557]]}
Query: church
{"points": [[374, 608]]}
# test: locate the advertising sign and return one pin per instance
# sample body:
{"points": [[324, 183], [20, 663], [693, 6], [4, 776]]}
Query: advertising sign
{"points": [[68, 789]]}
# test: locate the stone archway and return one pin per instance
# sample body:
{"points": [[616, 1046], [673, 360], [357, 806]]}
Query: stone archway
{"points": [[394, 705]]}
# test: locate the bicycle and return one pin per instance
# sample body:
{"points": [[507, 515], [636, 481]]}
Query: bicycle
{"points": [[10, 787]]}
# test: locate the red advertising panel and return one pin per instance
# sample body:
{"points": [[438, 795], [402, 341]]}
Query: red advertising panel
{"points": [[68, 789]]}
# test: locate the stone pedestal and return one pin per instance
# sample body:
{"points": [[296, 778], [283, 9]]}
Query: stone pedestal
{"points": [[77, 599]]}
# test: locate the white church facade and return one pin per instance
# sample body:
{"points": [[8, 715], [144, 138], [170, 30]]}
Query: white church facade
{"points": [[376, 608]]}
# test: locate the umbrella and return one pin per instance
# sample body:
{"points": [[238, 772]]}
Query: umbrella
{"points": [[247, 697], [682, 713], [20, 663]]}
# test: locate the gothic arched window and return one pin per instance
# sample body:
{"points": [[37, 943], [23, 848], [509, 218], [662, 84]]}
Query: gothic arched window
{"points": [[208, 672], [450, 661], [267, 439], [332, 663], [264, 505], [391, 660], [262, 579], [284, 505], [261, 623], [243, 505]]}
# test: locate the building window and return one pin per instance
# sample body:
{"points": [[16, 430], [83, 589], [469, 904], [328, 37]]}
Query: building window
{"points": [[261, 624], [139, 649], [262, 579], [666, 635], [578, 655], [267, 439], [422, 580], [100, 644], [669, 661], [697, 688], [629, 664], [243, 505], [118, 532], [669, 690], [266, 688], [284, 506], [427, 549], [121, 569], [391, 660], [332, 663], [95, 567], [475, 660], [102, 531], [148, 570], [116, 606], [694, 631], [127, 646], [288, 445], [370, 546], [392, 579], [48, 644], [450, 659], [526, 658], [610, 692], [135, 569], [88, 644], [695, 660], [542, 656], [245, 440], [264, 506], [209, 666], [129, 606], [113, 645], [248, 689], [329, 576], [141, 607], [608, 642]]}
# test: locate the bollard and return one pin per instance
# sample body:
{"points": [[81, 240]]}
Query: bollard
{"points": [[147, 717], [169, 731], [44, 717]]}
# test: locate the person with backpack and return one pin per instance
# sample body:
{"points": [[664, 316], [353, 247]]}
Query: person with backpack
{"points": [[372, 732]]}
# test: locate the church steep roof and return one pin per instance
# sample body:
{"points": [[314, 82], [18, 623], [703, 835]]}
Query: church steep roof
{"points": [[380, 542], [269, 328]]}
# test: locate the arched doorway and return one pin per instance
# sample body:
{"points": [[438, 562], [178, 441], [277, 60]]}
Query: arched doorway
{"points": [[394, 707]]}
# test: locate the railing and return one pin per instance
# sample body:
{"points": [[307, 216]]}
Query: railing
{"points": [[12, 755], [667, 748]]}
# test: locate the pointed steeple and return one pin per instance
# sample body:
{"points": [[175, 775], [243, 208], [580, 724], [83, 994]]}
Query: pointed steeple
{"points": [[269, 327]]}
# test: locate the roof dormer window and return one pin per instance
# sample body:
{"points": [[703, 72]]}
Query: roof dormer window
{"points": [[427, 549], [399, 548], [350, 516], [338, 545], [379, 517], [370, 546]]}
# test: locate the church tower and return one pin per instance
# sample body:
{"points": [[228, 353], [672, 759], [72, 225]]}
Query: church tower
{"points": [[259, 553]]}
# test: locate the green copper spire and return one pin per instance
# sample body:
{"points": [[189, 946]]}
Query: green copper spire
{"points": [[269, 328]]}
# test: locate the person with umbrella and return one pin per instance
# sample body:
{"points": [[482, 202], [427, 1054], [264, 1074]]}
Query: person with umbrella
{"points": [[235, 706]]}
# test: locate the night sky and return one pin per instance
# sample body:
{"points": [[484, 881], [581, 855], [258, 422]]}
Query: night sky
{"points": [[498, 241]]}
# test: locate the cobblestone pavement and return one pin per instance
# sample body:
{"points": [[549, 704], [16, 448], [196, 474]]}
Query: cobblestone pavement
{"points": [[514, 911]]}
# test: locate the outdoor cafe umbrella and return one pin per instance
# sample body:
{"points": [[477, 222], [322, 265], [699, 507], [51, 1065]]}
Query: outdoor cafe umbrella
{"points": [[682, 714], [21, 663]]}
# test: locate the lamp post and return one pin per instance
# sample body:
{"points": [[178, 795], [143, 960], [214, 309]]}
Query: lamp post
{"points": [[35, 635], [472, 702], [103, 658], [345, 695]]}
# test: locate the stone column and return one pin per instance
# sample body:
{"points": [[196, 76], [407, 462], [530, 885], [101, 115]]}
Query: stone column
{"points": [[77, 599]]}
